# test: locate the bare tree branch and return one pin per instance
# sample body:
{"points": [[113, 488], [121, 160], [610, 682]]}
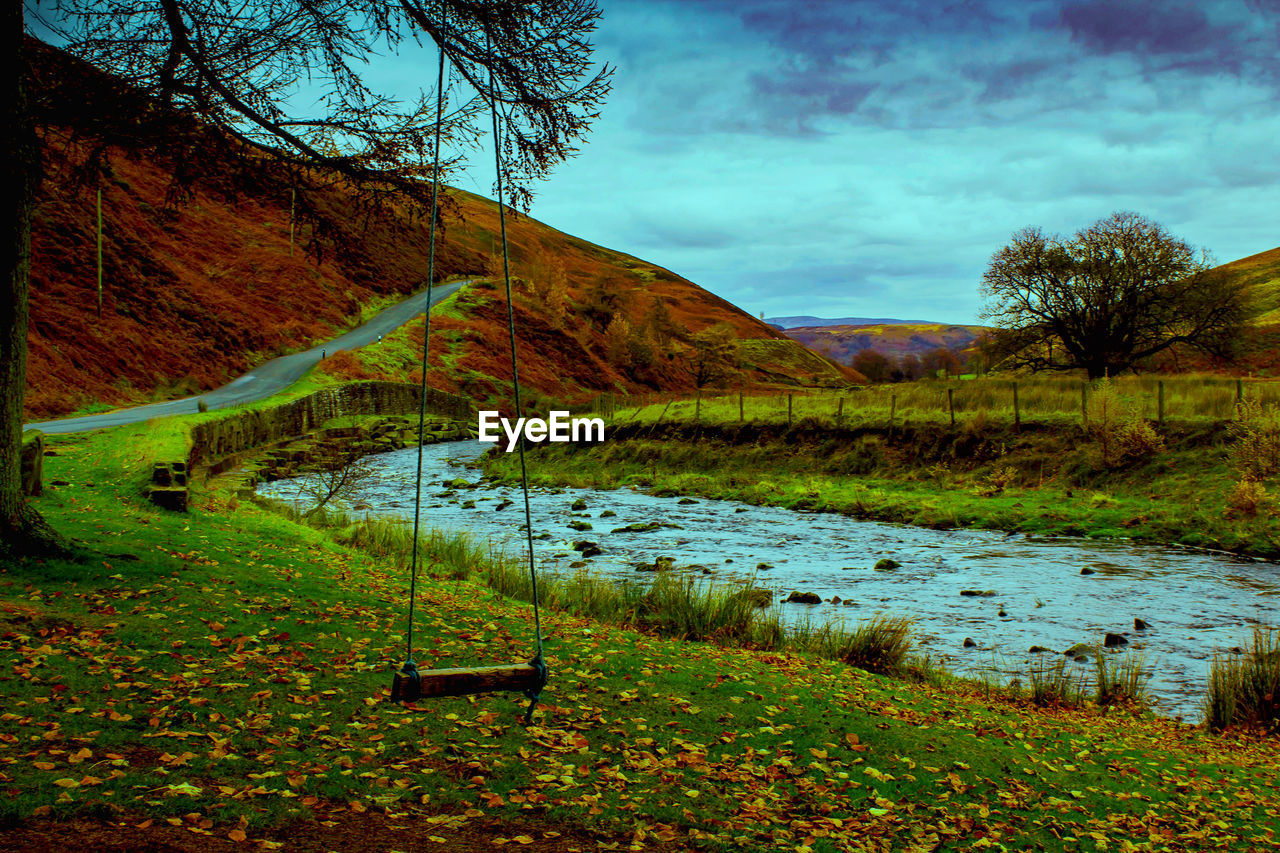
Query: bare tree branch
{"points": [[1116, 293]]}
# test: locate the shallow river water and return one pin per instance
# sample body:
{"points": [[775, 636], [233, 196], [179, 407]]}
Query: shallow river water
{"points": [[1194, 603]]}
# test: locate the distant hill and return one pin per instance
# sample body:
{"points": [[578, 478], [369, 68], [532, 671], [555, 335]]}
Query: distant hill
{"points": [[843, 340], [842, 343], [199, 292], [808, 322]]}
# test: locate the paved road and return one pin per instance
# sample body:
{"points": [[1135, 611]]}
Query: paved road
{"points": [[266, 379]]}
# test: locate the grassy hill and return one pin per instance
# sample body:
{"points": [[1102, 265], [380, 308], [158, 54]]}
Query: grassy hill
{"points": [[201, 285], [1261, 274]]}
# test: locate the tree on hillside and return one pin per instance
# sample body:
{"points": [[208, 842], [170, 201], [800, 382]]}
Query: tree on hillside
{"points": [[908, 369], [604, 300], [939, 360], [1117, 292], [660, 322], [714, 355], [872, 365], [233, 67]]}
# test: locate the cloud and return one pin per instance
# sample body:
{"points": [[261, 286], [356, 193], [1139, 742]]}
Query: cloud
{"points": [[867, 158], [671, 233], [1146, 26]]}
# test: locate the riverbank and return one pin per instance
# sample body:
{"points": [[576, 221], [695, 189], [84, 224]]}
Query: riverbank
{"points": [[1046, 479], [217, 677]]}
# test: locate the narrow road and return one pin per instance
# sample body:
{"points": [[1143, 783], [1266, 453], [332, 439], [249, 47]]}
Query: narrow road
{"points": [[266, 379]]}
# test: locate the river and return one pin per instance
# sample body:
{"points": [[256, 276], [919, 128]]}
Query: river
{"points": [[1194, 603]]}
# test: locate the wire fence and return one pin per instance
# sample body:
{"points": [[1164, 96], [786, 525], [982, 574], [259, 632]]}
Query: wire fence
{"points": [[958, 402]]}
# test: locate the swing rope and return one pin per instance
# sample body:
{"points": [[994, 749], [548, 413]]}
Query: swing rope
{"points": [[426, 342], [538, 663], [532, 687]]}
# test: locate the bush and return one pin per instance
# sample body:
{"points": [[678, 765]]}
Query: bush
{"points": [[997, 480], [1255, 449], [1124, 437], [1248, 498], [1135, 441], [1244, 689]]}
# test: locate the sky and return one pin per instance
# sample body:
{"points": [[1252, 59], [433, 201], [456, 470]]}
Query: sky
{"points": [[866, 158]]}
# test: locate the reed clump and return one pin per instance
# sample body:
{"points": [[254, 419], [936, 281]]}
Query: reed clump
{"points": [[1244, 688], [1053, 684], [1121, 681], [881, 645]]}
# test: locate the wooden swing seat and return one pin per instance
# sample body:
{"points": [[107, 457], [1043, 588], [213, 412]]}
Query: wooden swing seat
{"points": [[465, 681]]}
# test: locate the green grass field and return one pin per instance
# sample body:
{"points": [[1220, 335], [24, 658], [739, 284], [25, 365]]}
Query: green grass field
{"points": [[219, 676]]}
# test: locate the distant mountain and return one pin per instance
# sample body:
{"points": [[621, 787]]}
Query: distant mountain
{"points": [[895, 339], [796, 322]]}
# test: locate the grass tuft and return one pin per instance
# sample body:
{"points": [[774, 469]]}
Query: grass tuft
{"points": [[1244, 689]]}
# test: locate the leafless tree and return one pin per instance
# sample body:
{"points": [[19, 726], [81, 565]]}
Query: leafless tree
{"points": [[1117, 292], [287, 77], [341, 481]]}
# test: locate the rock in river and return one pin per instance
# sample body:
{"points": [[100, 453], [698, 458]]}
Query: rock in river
{"points": [[886, 565], [1112, 640], [804, 598], [587, 548], [1139, 625]]}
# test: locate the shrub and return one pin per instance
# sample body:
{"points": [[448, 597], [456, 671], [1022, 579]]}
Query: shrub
{"points": [[1248, 498], [1255, 449], [1124, 437], [997, 480], [1244, 689], [1135, 441]]}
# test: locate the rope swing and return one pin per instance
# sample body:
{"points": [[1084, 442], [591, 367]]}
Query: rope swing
{"points": [[409, 683]]}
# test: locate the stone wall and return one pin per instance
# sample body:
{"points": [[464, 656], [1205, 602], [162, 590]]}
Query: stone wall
{"points": [[214, 441], [220, 444]]}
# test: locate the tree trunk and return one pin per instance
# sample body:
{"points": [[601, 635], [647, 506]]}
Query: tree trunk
{"points": [[22, 530]]}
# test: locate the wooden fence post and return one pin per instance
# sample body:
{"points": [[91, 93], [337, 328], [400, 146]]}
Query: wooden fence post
{"points": [[893, 408], [1084, 404], [951, 404], [1160, 402], [839, 411], [1017, 414]]}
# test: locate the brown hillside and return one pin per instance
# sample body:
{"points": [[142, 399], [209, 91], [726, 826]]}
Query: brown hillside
{"points": [[198, 290]]}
